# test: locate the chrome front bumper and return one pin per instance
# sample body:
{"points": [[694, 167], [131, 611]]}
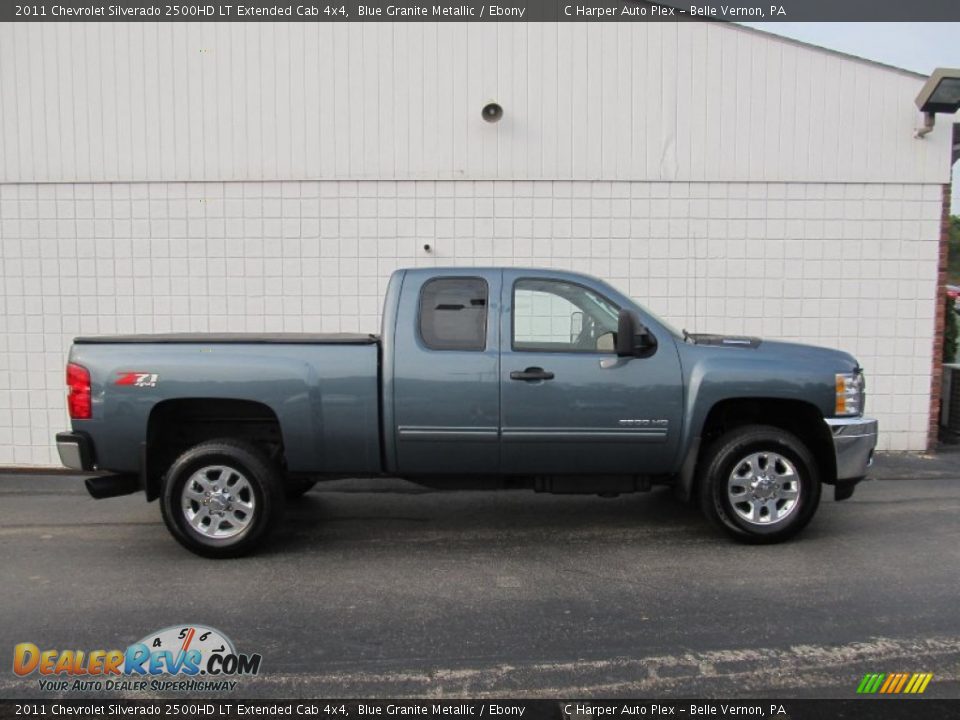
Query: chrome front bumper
{"points": [[854, 440]]}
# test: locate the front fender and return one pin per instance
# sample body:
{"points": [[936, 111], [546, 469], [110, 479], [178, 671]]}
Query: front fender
{"points": [[714, 375]]}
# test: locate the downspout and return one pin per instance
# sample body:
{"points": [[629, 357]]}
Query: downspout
{"points": [[929, 119]]}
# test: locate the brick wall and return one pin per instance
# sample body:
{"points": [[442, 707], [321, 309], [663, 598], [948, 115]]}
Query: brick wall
{"points": [[851, 266], [936, 377]]}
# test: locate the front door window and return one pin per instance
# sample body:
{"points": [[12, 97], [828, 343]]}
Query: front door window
{"points": [[556, 316]]}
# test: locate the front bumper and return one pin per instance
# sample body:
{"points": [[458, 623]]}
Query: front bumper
{"points": [[76, 450], [854, 440]]}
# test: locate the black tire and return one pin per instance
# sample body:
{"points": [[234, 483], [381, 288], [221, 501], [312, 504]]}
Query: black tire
{"points": [[295, 489], [722, 458], [263, 481]]}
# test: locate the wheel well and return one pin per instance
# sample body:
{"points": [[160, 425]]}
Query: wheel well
{"points": [[795, 416], [176, 425]]}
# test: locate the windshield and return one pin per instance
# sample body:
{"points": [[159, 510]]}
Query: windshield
{"points": [[595, 304], [603, 306], [667, 325]]}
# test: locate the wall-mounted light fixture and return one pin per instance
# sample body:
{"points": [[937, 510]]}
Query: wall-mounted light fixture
{"points": [[492, 112], [939, 94]]}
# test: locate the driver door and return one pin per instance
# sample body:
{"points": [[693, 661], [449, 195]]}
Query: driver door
{"points": [[568, 404]]}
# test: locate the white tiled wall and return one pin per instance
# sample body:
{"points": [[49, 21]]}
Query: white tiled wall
{"points": [[846, 265], [683, 101]]}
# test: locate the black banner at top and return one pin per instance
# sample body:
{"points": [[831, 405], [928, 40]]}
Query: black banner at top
{"points": [[477, 11]]}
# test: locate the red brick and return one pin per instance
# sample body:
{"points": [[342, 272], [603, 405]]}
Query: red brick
{"points": [[939, 324]]}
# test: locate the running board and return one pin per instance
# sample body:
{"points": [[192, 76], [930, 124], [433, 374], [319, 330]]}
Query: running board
{"points": [[592, 484]]}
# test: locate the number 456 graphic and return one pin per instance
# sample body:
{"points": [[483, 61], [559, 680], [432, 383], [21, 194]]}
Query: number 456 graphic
{"points": [[137, 379]]}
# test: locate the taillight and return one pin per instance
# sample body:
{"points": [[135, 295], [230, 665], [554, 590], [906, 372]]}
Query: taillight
{"points": [[78, 392]]}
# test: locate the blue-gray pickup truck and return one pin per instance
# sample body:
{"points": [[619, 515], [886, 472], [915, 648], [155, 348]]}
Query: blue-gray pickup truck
{"points": [[480, 378]]}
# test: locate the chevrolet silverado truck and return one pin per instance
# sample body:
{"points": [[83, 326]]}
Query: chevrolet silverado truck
{"points": [[480, 378]]}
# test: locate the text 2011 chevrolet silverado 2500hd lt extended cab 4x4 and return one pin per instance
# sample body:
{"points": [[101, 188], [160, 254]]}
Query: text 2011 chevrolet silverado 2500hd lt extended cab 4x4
{"points": [[498, 377]]}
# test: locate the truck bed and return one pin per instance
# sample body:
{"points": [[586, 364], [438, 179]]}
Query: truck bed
{"points": [[234, 339], [322, 389]]}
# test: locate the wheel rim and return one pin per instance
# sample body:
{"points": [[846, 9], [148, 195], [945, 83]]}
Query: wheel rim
{"points": [[218, 502], [764, 488]]}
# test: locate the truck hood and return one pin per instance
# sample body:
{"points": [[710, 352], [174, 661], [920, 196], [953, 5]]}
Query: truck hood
{"points": [[777, 350]]}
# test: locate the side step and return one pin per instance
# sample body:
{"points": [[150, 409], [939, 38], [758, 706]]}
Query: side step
{"points": [[606, 485], [107, 486]]}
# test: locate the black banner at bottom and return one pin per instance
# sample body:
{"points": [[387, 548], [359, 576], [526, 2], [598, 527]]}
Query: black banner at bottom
{"points": [[853, 709]]}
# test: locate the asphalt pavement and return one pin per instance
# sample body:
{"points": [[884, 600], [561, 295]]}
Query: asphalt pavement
{"points": [[386, 589]]}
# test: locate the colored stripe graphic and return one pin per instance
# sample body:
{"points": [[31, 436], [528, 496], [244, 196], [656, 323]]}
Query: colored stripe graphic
{"points": [[894, 683], [918, 683], [903, 680], [870, 683]]}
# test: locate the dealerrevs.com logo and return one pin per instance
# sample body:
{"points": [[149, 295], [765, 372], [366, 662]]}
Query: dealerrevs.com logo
{"points": [[187, 658]]}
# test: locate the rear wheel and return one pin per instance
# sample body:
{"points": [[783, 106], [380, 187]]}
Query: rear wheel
{"points": [[221, 498], [759, 483]]}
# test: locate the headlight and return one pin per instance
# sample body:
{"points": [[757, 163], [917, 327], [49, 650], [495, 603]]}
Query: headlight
{"points": [[850, 393]]}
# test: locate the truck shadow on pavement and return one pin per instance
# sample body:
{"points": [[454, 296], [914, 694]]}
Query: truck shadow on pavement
{"points": [[322, 518]]}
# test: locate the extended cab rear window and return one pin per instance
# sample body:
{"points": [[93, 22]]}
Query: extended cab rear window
{"points": [[453, 313]]}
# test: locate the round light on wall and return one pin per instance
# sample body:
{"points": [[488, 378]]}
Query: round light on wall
{"points": [[492, 112]]}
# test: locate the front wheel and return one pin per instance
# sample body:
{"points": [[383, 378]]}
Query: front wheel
{"points": [[221, 498], [759, 483]]}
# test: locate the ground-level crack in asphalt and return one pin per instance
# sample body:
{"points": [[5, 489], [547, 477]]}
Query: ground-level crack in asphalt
{"points": [[734, 671], [747, 671]]}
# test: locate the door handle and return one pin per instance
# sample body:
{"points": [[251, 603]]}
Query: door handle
{"points": [[531, 373]]}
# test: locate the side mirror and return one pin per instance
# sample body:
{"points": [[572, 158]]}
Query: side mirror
{"points": [[633, 338]]}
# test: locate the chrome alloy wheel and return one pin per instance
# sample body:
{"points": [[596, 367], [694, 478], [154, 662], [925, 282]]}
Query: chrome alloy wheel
{"points": [[764, 488], [218, 501]]}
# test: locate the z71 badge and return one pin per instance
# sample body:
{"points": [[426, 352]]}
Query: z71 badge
{"points": [[137, 379]]}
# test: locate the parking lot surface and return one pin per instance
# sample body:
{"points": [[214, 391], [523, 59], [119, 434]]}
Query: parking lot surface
{"points": [[412, 592]]}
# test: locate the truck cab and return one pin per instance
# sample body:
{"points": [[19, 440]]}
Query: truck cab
{"points": [[515, 372]]}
